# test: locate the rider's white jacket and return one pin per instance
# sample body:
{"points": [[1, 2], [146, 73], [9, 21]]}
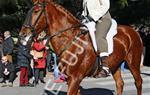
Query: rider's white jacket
{"points": [[95, 8]]}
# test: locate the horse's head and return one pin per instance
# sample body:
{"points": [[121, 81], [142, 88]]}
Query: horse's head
{"points": [[48, 15], [36, 20]]}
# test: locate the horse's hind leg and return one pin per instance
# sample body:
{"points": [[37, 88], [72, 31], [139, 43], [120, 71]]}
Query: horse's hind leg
{"points": [[119, 81], [73, 86], [134, 66]]}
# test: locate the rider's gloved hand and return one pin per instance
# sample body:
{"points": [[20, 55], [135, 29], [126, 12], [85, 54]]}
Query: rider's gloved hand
{"points": [[87, 19], [84, 19], [80, 17]]}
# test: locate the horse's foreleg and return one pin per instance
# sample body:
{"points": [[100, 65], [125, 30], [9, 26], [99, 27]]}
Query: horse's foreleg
{"points": [[73, 86], [119, 81]]}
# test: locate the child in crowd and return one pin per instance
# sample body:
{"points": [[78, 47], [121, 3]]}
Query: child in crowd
{"points": [[7, 71], [23, 60]]}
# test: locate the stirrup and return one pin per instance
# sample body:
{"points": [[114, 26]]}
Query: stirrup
{"points": [[103, 70], [102, 73], [106, 69]]}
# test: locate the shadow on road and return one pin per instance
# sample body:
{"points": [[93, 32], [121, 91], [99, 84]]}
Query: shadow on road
{"points": [[147, 74], [90, 91]]}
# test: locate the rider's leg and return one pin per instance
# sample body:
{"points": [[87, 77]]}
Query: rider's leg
{"points": [[102, 28]]}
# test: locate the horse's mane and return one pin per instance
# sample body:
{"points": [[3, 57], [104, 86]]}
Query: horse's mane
{"points": [[61, 8]]}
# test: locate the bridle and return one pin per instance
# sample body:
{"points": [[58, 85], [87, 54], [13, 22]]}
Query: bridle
{"points": [[33, 30], [28, 23]]}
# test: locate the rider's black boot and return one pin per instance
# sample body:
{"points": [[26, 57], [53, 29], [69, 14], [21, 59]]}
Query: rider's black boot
{"points": [[103, 68]]}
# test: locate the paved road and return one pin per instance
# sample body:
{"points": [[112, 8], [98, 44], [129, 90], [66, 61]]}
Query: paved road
{"points": [[89, 86]]}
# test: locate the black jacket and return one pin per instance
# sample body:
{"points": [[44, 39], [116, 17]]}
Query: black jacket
{"points": [[23, 56], [1, 50], [8, 46], [10, 67]]}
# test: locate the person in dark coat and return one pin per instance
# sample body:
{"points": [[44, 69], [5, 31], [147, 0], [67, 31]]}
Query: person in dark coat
{"points": [[23, 60], [1, 46], [147, 51], [145, 35], [8, 45], [7, 71]]}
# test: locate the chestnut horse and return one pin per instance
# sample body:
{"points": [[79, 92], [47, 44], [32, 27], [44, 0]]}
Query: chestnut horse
{"points": [[75, 49]]}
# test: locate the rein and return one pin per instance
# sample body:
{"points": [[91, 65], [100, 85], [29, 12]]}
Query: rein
{"points": [[64, 30], [73, 40]]}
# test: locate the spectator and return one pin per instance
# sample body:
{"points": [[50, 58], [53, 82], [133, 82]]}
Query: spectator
{"points": [[145, 35], [1, 46], [147, 51], [7, 71], [58, 77], [39, 56], [52, 58], [8, 45], [48, 61], [23, 60], [49, 51]]}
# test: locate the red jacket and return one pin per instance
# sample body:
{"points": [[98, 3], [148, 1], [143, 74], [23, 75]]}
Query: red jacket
{"points": [[40, 62]]}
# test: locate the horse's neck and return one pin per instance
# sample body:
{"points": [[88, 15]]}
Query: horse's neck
{"points": [[63, 20], [61, 40], [59, 19]]}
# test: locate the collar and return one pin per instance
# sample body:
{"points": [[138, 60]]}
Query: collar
{"points": [[7, 37]]}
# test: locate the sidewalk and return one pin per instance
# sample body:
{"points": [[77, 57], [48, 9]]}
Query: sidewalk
{"points": [[49, 75]]}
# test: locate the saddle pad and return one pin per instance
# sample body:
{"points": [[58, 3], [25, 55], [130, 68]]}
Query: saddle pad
{"points": [[112, 32]]}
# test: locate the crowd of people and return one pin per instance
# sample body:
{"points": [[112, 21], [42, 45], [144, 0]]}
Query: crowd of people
{"points": [[32, 60]]}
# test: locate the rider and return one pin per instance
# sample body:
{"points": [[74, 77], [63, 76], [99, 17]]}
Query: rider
{"points": [[97, 11]]}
